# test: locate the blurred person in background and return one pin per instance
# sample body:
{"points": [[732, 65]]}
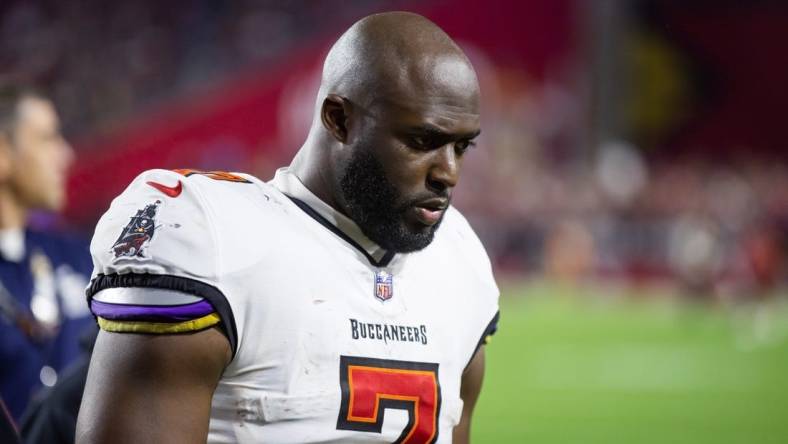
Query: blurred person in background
{"points": [[42, 275]]}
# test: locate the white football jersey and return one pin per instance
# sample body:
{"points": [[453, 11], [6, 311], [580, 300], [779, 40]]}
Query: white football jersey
{"points": [[333, 338]]}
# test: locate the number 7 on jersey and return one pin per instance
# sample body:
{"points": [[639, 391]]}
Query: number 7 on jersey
{"points": [[369, 386]]}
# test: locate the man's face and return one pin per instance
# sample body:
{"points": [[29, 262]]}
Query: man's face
{"points": [[406, 161], [40, 156]]}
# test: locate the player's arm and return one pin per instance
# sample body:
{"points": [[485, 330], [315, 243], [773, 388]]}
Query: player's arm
{"points": [[469, 392], [151, 388], [167, 327]]}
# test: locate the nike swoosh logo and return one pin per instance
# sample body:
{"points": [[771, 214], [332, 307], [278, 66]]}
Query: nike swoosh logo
{"points": [[170, 191]]}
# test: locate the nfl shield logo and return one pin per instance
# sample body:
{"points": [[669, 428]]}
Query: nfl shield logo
{"points": [[384, 288]]}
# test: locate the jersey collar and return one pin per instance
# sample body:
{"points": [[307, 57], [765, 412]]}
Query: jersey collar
{"points": [[289, 184]]}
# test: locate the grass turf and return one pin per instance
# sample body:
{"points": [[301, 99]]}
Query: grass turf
{"points": [[591, 368]]}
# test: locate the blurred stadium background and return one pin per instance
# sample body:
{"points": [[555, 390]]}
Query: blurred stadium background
{"points": [[631, 182]]}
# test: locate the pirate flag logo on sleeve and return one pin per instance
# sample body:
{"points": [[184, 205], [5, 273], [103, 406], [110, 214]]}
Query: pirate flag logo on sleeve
{"points": [[136, 236]]}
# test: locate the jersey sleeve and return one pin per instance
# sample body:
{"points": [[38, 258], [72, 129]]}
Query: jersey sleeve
{"points": [[486, 291], [155, 261], [492, 327]]}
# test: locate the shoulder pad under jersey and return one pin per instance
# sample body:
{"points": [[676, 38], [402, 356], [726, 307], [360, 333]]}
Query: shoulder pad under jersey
{"points": [[157, 254]]}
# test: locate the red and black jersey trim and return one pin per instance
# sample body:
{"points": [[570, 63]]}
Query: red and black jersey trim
{"points": [[492, 327], [175, 283], [331, 227]]}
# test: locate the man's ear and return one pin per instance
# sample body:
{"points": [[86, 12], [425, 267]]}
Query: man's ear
{"points": [[335, 115], [6, 160]]}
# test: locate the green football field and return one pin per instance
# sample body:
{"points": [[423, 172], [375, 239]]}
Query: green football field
{"points": [[581, 366]]}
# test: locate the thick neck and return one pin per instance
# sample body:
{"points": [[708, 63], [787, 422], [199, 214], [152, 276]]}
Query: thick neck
{"points": [[13, 215], [312, 167]]}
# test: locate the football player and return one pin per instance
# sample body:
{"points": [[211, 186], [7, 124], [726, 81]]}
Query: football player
{"points": [[324, 306]]}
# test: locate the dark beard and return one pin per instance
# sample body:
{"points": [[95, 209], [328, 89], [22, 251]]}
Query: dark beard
{"points": [[375, 206]]}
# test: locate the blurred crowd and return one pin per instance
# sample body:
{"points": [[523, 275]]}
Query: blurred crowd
{"points": [[548, 204], [106, 61]]}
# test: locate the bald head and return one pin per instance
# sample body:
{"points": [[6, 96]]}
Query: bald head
{"points": [[398, 108], [388, 54]]}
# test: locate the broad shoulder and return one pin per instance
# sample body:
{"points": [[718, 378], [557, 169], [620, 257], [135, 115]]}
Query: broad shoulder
{"points": [[218, 197], [207, 189], [456, 233], [166, 219], [457, 243]]}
